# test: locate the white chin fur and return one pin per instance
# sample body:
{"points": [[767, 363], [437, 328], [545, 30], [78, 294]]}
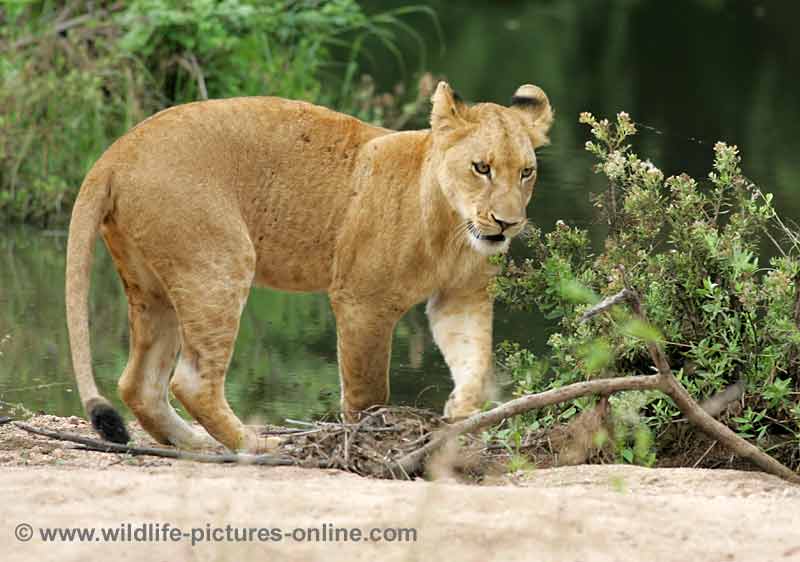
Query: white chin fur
{"points": [[488, 248]]}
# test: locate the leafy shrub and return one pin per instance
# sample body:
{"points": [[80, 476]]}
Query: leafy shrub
{"points": [[82, 75], [695, 253]]}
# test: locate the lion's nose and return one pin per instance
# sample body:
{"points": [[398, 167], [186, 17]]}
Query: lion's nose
{"points": [[504, 224]]}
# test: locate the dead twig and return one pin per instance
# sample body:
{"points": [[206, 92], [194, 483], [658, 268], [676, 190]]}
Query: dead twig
{"points": [[332, 425], [108, 447], [605, 304], [704, 455], [283, 431], [702, 419], [349, 438], [199, 76], [301, 422]]}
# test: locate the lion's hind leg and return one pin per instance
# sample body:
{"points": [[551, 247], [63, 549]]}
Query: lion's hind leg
{"points": [[144, 385], [154, 344], [209, 310]]}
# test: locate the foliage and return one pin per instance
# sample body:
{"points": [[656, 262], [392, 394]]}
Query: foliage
{"points": [[81, 75], [695, 252]]}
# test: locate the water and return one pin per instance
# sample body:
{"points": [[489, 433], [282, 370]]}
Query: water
{"points": [[706, 69]]}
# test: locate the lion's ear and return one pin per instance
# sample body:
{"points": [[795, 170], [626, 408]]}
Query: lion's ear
{"points": [[448, 113], [533, 103]]}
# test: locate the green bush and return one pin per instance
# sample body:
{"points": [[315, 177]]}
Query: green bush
{"points": [[695, 252], [80, 76]]}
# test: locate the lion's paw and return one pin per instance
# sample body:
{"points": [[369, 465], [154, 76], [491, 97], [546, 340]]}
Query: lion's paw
{"points": [[258, 444], [459, 407]]}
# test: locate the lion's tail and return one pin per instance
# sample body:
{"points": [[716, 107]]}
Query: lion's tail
{"points": [[90, 207]]}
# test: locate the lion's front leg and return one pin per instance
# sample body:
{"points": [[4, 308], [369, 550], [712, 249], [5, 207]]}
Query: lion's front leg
{"points": [[364, 343], [461, 321]]}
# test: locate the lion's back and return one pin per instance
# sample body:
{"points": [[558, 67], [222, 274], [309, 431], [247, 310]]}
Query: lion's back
{"points": [[259, 128], [283, 168]]}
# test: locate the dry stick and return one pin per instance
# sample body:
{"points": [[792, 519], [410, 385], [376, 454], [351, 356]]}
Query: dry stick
{"points": [[702, 419], [108, 447], [348, 439], [704, 455], [337, 425], [604, 305], [412, 461], [197, 71], [664, 381]]}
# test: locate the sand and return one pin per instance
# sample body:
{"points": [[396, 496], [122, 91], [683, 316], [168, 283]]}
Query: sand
{"points": [[582, 513]]}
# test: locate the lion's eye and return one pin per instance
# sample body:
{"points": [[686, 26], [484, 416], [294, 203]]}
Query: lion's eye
{"points": [[527, 172], [481, 168]]}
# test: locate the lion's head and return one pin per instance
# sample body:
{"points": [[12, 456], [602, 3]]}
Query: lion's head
{"points": [[487, 166]]}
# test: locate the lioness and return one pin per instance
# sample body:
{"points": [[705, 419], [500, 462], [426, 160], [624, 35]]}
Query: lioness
{"points": [[202, 200]]}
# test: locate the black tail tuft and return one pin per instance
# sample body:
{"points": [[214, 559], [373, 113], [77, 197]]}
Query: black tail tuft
{"points": [[108, 423]]}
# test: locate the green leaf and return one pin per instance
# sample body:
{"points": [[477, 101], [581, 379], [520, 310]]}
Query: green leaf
{"points": [[575, 292], [627, 455], [597, 355], [639, 329]]}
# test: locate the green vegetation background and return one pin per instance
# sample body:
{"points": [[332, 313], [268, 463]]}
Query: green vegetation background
{"points": [[78, 78]]}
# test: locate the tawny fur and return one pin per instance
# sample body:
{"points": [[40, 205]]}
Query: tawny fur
{"points": [[201, 201]]}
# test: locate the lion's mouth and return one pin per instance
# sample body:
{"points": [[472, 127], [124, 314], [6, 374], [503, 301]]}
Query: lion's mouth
{"points": [[494, 238]]}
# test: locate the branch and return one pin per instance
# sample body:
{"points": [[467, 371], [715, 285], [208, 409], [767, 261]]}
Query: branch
{"points": [[605, 304], [197, 71], [108, 447], [702, 419], [412, 462]]}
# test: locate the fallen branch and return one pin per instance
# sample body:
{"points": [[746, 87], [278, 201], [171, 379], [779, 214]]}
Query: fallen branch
{"points": [[664, 381], [412, 462], [699, 417], [108, 447]]}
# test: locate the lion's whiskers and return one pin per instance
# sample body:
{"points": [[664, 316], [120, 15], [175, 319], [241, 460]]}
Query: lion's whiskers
{"points": [[457, 240]]}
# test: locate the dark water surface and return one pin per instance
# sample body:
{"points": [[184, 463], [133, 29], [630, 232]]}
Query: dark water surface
{"points": [[697, 71]]}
